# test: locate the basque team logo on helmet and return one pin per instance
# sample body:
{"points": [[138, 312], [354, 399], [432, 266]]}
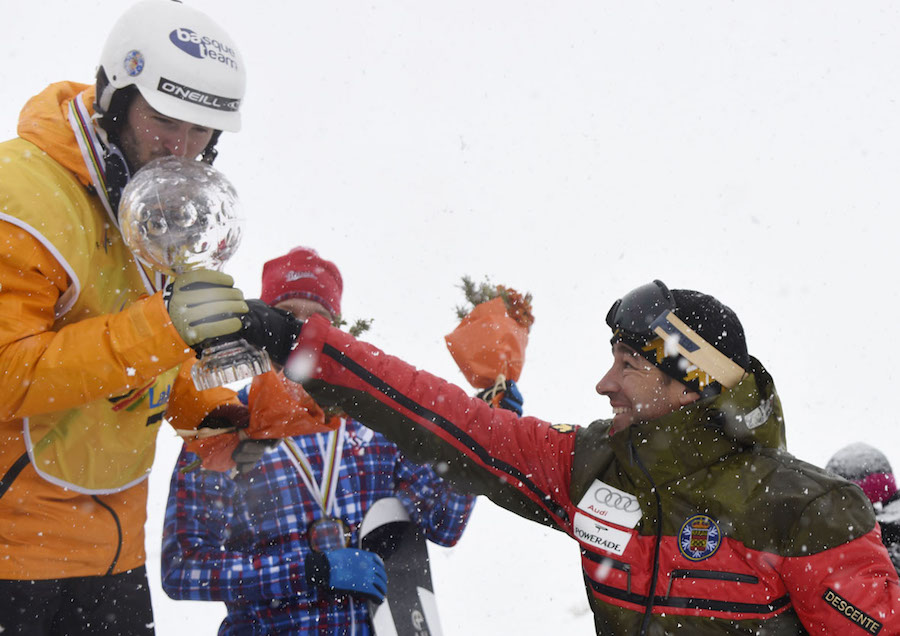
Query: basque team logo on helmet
{"points": [[203, 47]]}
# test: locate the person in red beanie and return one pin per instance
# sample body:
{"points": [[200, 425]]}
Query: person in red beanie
{"points": [[276, 539], [302, 274]]}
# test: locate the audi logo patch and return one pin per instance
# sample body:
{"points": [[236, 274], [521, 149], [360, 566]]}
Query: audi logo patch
{"points": [[611, 504]]}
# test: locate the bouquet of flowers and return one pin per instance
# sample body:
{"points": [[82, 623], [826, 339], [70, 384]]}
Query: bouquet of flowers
{"points": [[489, 343]]}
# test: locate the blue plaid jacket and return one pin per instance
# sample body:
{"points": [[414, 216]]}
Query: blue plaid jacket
{"points": [[243, 540]]}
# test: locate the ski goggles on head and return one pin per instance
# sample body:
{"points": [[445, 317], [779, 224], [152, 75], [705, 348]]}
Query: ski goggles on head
{"points": [[648, 312], [637, 310]]}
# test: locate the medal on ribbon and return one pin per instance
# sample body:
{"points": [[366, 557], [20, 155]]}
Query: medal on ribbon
{"points": [[328, 534]]}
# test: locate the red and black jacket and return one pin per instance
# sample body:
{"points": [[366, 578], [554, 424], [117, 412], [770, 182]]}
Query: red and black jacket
{"points": [[697, 522]]}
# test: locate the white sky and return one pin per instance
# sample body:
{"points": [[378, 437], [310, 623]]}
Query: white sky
{"points": [[574, 150]]}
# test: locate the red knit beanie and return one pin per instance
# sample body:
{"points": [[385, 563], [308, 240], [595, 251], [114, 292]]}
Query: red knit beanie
{"points": [[302, 273]]}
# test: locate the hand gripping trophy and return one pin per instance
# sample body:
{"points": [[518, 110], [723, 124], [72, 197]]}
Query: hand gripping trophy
{"points": [[177, 215]]}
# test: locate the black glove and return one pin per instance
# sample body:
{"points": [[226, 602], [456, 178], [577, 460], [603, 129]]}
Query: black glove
{"points": [[204, 305], [357, 572], [273, 330], [227, 416]]}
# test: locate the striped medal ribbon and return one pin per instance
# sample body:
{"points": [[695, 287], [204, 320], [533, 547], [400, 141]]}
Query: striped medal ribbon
{"points": [[92, 152], [329, 532]]}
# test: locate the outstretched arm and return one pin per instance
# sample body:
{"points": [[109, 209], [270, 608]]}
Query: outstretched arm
{"points": [[522, 464]]}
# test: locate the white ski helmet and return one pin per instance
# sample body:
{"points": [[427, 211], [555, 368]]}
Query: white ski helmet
{"points": [[184, 64]]}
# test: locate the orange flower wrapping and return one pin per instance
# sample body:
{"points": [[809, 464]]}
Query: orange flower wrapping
{"points": [[488, 343], [280, 408], [215, 451]]}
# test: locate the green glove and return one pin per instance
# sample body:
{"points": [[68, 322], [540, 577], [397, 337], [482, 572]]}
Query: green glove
{"points": [[204, 305]]}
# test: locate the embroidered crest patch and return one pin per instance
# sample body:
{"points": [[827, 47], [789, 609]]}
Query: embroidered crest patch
{"points": [[699, 538]]}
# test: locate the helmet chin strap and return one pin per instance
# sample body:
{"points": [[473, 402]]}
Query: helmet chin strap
{"points": [[117, 175], [210, 153], [118, 171]]}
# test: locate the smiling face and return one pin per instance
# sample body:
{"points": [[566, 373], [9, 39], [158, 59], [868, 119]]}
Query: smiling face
{"points": [[148, 134], [638, 391]]}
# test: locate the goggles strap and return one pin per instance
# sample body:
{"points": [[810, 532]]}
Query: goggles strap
{"points": [[696, 350]]}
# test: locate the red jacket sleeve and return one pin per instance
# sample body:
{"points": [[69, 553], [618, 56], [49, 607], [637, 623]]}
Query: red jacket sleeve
{"points": [[843, 590], [416, 408]]}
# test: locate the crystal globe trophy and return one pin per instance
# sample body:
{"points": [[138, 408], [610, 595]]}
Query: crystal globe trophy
{"points": [[177, 215]]}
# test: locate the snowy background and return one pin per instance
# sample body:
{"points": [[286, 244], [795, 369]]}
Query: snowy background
{"points": [[574, 150]]}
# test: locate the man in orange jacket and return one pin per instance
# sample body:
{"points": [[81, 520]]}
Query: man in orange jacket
{"points": [[89, 347]]}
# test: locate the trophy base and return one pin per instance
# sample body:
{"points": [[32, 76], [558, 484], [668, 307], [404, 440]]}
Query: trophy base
{"points": [[228, 362]]}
